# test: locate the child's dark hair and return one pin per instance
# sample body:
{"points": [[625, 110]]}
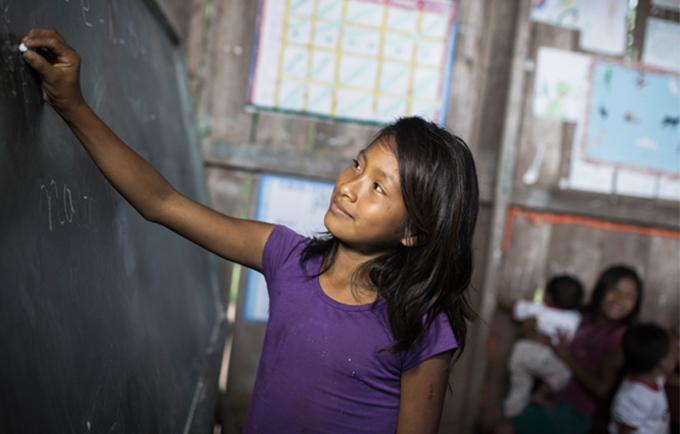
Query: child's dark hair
{"points": [[644, 345], [565, 292], [608, 279], [440, 192]]}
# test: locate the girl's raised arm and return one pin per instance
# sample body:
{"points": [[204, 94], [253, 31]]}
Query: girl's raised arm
{"points": [[143, 186]]}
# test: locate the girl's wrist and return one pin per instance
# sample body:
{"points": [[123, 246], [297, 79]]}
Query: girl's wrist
{"points": [[74, 111]]}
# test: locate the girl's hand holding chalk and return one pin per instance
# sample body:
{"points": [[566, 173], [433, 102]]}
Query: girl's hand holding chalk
{"points": [[60, 71]]}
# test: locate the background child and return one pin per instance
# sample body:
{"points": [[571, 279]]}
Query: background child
{"points": [[363, 321], [640, 405], [673, 384], [530, 359]]}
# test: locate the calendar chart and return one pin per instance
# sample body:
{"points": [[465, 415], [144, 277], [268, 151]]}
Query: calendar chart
{"points": [[358, 60]]}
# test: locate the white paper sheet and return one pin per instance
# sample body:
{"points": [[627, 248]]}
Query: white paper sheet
{"points": [[560, 84], [354, 59], [630, 183], [662, 44], [603, 26], [563, 13], [669, 189]]}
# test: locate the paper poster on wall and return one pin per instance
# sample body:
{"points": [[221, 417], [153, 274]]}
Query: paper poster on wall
{"points": [[357, 60], [661, 47], [560, 84], [630, 128], [667, 4], [563, 13], [299, 204], [604, 26]]}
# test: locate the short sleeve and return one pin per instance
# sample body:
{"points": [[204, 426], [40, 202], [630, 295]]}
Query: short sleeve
{"points": [[522, 310], [630, 411], [282, 246], [437, 339]]}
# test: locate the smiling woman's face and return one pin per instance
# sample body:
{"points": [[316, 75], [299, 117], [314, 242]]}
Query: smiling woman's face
{"points": [[619, 300]]}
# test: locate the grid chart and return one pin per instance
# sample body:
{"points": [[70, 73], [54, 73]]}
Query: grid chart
{"points": [[362, 60]]}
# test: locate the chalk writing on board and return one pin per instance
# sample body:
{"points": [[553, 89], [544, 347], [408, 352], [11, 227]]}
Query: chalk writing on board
{"points": [[110, 10], [8, 59], [134, 40], [23, 72], [52, 193], [85, 10], [5, 12], [141, 110]]}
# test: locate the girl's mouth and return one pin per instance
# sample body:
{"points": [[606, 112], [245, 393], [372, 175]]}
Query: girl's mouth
{"points": [[339, 211]]}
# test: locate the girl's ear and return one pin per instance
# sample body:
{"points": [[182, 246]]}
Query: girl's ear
{"points": [[410, 240]]}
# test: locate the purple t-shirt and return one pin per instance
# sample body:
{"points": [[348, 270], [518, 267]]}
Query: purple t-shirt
{"points": [[321, 369], [589, 347]]}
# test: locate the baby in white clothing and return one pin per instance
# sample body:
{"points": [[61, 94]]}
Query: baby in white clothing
{"points": [[531, 359]]}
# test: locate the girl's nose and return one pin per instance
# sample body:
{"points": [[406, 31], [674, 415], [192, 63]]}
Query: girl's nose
{"points": [[350, 187]]}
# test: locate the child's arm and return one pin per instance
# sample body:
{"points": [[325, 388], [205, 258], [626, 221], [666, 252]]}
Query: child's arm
{"points": [[423, 388], [504, 302], [601, 384], [143, 186]]}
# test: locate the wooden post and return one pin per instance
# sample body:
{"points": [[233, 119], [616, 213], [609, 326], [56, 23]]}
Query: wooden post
{"points": [[504, 174]]}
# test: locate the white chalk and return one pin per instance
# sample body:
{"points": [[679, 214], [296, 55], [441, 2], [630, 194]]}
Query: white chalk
{"points": [[23, 48]]}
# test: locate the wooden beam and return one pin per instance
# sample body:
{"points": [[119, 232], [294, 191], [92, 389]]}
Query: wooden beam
{"points": [[258, 158], [620, 209], [509, 143]]}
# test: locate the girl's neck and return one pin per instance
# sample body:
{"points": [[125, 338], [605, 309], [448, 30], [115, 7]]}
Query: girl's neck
{"points": [[337, 283], [601, 321]]}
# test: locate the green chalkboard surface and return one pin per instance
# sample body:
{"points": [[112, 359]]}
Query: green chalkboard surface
{"points": [[108, 323]]}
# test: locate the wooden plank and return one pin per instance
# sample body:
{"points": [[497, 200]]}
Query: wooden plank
{"points": [[342, 138], [662, 283], [575, 250], [490, 115], [193, 43], [221, 111], [509, 145], [260, 158], [283, 131], [466, 79], [623, 209], [628, 249]]}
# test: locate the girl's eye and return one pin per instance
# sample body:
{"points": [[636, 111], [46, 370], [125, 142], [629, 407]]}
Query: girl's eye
{"points": [[377, 187], [356, 164]]}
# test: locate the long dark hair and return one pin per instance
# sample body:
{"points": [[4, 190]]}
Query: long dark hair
{"points": [[609, 278], [440, 192]]}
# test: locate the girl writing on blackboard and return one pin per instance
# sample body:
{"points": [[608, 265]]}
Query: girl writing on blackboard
{"points": [[363, 320]]}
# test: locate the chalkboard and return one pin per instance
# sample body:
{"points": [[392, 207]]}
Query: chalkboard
{"points": [[108, 323]]}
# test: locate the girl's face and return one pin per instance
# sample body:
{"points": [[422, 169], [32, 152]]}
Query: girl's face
{"points": [[619, 300], [367, 210]]}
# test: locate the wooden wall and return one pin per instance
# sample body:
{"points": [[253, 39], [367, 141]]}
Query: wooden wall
{"points": [[490, 107]]}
